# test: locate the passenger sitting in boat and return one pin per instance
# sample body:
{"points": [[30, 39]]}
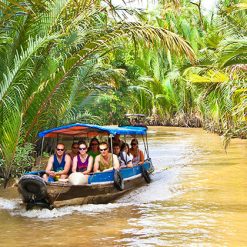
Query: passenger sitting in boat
{"points": [[116, 140], [105, 161], [82, 162], [93, 149], [122, 161], [58, 164], [74, 150], [127, 156], [138, 156], [116, 151]]}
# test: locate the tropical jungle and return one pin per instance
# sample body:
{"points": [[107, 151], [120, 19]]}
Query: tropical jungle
{"points": [[65, 61]]}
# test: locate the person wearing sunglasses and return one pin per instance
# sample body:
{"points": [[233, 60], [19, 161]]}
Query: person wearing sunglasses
{"points": [[105, 161], [138, 155], [93, 149], [82, 162], [58, 164]]}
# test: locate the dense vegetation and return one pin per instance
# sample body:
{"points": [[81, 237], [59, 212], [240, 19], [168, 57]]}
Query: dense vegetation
{"points": [[68, 61]]}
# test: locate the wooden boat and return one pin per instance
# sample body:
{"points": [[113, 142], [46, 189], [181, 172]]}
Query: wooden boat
{"points": [[102, 187]]}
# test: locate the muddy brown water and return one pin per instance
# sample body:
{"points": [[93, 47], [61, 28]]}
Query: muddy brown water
{"points": [[198, 197]]}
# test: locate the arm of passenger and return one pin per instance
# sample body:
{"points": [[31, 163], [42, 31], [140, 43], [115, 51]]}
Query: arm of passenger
{"points": [[90, 165], [141, 158], [96, 164], [74, 165], [49, 166], [116, 164], [109, 169], [129, 162]]}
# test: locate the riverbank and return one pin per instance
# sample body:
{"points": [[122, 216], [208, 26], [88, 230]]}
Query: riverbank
{"points": [[195, 121]]}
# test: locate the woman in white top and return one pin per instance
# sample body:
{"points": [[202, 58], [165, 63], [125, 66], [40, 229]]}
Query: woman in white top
{"points": [[126, 155], [138, 155]]}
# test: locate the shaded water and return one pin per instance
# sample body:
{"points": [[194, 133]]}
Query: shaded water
{"points": [[198, 197]]}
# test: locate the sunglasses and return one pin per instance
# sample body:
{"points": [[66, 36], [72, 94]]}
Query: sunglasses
{"points": [[133, 144], [103, 149], [94, 144], [75, 147], [60, 149], [82, 148]]}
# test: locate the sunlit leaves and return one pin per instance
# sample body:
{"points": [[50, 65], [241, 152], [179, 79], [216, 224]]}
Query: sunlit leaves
{"points": [[209, 77]]}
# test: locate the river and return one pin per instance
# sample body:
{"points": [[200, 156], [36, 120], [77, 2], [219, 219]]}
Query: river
{"points": [[198, 197]]}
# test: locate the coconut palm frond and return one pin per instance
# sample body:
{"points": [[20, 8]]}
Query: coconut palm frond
{"points": [[10, 131], [153, 35], [20, 62], [233, 51], [45, 21], [102, 43], [209, 77], [80, 116], [241, 6]]}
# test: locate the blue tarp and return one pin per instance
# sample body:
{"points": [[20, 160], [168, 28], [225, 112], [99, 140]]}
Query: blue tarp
{"points": [[78, 129]]}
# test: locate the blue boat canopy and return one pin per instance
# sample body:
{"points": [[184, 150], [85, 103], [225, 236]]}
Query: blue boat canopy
{"points": [[91, 130]]}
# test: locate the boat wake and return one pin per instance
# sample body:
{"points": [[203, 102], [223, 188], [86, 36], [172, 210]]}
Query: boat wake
{"points": [[15, 208], [9, 204], [162, 188], [90, 209]]}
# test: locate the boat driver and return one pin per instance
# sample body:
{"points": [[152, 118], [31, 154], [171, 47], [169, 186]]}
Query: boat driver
{"points": [[58, 164], [105, 161]]}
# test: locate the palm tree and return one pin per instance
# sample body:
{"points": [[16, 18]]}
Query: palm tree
{"points": [[221, 71], [43, 48]]}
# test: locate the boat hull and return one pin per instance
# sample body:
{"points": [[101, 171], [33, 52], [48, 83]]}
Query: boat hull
{"points": [[62, 195], [100, 189]]}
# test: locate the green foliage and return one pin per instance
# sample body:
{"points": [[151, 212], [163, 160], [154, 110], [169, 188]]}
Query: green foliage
{"points": [[110, 107], [69, 61], [24, 159], [55, 57], [1, 162]]}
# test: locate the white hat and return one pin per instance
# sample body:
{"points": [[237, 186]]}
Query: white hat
{"points": [[77, 178]]}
